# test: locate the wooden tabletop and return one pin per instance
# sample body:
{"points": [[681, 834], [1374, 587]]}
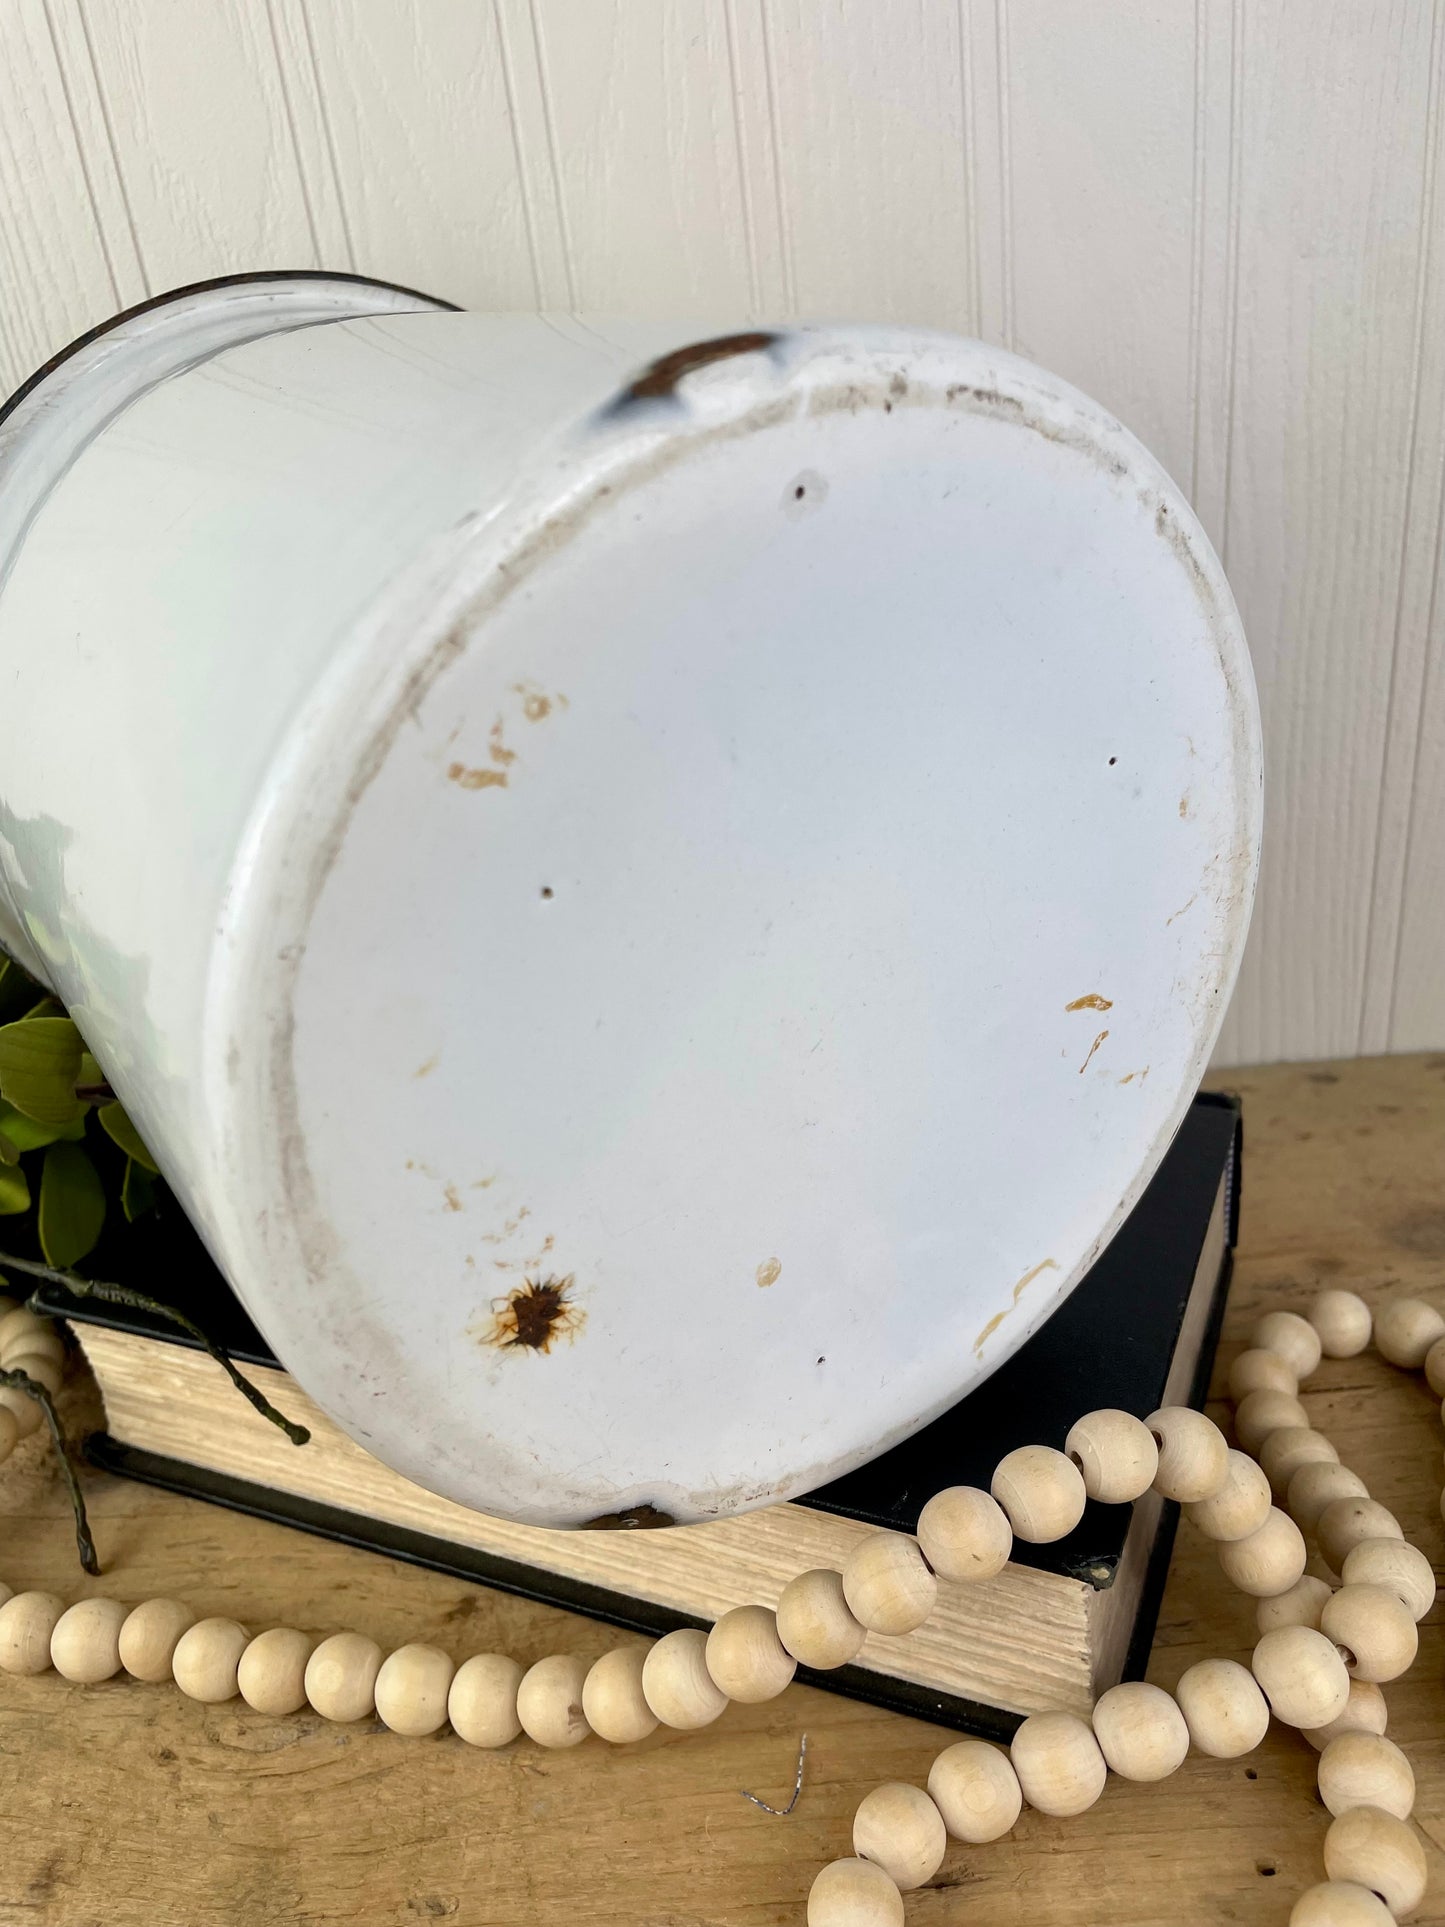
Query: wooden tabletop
{"points": [[128, 1804]]}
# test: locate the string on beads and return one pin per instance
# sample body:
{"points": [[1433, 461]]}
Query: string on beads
{"points": [[1322, 1652]]}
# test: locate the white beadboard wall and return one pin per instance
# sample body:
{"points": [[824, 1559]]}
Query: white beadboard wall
{"points": [[1222, 217]]}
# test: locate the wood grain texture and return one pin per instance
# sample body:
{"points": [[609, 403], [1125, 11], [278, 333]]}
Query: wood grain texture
{"points": [[127, 1804], [1226, 219]]}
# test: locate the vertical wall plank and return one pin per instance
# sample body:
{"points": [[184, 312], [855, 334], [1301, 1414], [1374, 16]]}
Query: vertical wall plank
{"points": [[412, 102], [870, 136], [639, 107], [203, 136], [66, 261], [1105, 302], [1417, 1018], [1323, 398]]}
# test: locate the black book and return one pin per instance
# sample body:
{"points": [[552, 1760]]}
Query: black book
{"points": [[1058, 1626]]}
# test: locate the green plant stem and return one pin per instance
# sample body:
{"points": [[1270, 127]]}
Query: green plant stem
{"points": [[84, 1544], [137, 1301]]}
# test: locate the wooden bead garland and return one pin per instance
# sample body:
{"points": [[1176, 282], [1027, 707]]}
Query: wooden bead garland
{"points": [[899, 1829], [1141, 1732], [1310, 1633], [1042, 1492], [1193, 1453], [975, 1788], [1366, 1770], [888, 1583], [411, 1690], [1381, 1853], [1060, 1766], [854, 1893], [613, 1701], [271, 1675], [965, 1534], [1116, 1454], [746, 1658]]}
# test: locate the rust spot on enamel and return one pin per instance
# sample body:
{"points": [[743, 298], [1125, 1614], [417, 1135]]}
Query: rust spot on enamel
{"points": [[1092, 1002], [476, 779], [534, 1316]]}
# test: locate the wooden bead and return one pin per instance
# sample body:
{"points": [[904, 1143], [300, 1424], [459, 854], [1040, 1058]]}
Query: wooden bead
{"points": [[1060, 1767], [1400, 1568], [1285, 1451], [19, 1326], [887, 1583], [965, 1534], [746, 1658], [814, 1622], [9, 1433], [46, 1371], [549, 1701], [1342, 1319], [1041, 1491], [27, 1619], [613, 1702], [1302, 1676], [1347, 1523], [975, 1788], [206, 1659], [1116, 1454], [148, 1638], [1340, 1903], [1435, 1368], [677, 1685], [1314, 1486], [899, 1829], [85, 1643], [1239, 1507], [1405, 1329], [1300, 1606], [271, 1675], [1372, 1847], [1292, 1338], [1260, 1371], [411, 1690], [1193, 1453], [1141, 1732], [23, 1409], [1261, 1413], [1365, 1712], [482, 1703], [1366, 1770], [1374, 1630], [854, 1893], [1270, 1560], [1226, 1713], [341, 1676]]}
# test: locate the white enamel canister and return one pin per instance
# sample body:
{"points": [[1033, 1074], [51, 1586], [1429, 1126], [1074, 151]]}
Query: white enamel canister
{"points": [[657, 891]]}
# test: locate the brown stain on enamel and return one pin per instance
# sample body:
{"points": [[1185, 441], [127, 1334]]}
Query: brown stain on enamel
{"points": [[769, 1271], [534, 1316], [1092, 1048], [658, 381], [498, 750], [426, 1069], [476, 779], [1048, 1264], [452, 1196], [1092, 1002]]}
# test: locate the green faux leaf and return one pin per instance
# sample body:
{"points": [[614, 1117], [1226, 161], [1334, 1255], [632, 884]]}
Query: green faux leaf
{"points": [[72, 1205], [9, 1150], [47, 1007], [138, 1192], [26, 1135], [117, 1126], [39, 1066], [90, 1072], [14, 1191]]}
